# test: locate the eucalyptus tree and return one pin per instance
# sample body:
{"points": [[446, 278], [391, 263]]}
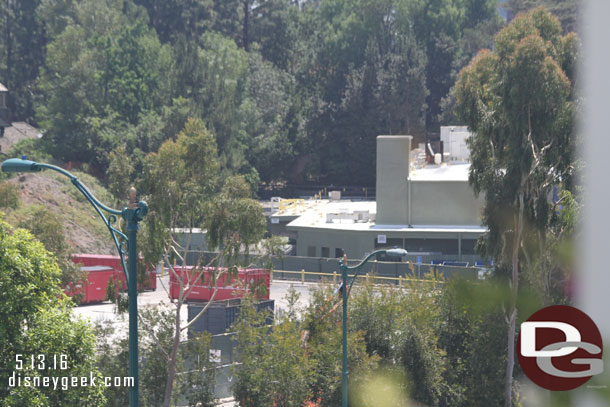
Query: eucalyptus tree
{"points": [[518, 101], [183, 185]]}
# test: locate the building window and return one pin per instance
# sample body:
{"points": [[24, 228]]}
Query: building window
{"points": [[438, 246], [311, 251], [468, 246], [325, 252], [338, 252]]}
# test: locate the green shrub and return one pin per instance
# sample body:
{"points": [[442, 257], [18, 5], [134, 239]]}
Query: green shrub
{"points": [[9, 196]]}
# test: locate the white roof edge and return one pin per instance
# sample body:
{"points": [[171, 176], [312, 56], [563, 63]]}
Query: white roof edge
{"points": [[357, 227]]}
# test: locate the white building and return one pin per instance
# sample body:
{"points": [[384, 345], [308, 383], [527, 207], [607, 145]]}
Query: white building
{"points": [[431, 212]]}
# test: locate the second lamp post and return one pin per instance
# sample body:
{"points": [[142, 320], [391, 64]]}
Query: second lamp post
{"points": [[345, 294]]}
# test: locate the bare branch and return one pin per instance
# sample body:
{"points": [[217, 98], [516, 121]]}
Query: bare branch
{"points": [[155, 339], [204, 309]]}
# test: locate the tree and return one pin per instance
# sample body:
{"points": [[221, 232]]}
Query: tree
{"points": [[179, 17], [181, 181], [275, 29], [103, 71], [565, 10], [368, 79], [472, 336], [120, 172], [274, 369], [22, 50], [439, 26], [519, 104], [297, 359], [157, 328], [49, 230], [404, 331], [37, 320]]}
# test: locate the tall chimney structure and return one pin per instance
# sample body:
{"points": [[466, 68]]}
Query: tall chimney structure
{"points": [[392, 180]]}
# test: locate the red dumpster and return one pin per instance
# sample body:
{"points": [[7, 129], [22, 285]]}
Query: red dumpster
{"points": [[94, 288], [115, 263], [237, 287]]}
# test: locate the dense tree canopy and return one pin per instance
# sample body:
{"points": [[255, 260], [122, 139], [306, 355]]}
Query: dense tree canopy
{"points": [[519, 103], [36, 320], [293, 90]]}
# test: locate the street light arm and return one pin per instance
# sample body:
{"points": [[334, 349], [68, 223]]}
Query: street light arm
{"points": [[108, 222], [359, 266], [366, 260], [23, 165], [85, 191]]}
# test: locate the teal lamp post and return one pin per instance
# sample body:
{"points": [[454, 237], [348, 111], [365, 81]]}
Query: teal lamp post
{"points": [[345, 292], [133, 213]]}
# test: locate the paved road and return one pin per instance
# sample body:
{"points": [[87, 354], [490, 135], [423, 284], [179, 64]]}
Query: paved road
{"points": [[106, 311]]}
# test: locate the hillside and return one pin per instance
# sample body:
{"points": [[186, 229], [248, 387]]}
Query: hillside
{"points": [[85, 232]]}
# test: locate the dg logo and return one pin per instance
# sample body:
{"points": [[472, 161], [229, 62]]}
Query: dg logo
{"points": [[560, 348]]}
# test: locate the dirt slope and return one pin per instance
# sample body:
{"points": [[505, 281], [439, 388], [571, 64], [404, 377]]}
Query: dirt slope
{"points": [[84, 230]]}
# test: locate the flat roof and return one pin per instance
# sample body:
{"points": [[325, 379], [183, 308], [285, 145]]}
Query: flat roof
{"points": [[444, 172], [315, 218]]}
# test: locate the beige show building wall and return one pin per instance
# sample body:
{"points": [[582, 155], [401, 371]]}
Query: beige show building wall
{"points": [[445, 203]]}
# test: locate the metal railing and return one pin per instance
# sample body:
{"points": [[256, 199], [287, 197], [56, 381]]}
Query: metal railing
{"points": [[368, 277]]}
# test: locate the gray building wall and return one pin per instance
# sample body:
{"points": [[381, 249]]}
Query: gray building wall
{"points": [[277, 227], [431, 202], [356, 243], [350, 241], [445, 203], [392, 172]]}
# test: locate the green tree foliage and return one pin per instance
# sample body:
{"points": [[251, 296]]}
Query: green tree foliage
{"points": [[178, 179], [296, 359], [276, 123], [102, 72], [37, 320], [567, 11], [9, 196], [439, 26], [431, 342], [274, 366], [519, 103], [403, 331], [49, 230], [179, 17], [32, 148], [275, 30], [369, 75], [232, 212], [292, 90], [22, 52], [472, 336], [120, 172], [181, 181], [213, 77]]}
